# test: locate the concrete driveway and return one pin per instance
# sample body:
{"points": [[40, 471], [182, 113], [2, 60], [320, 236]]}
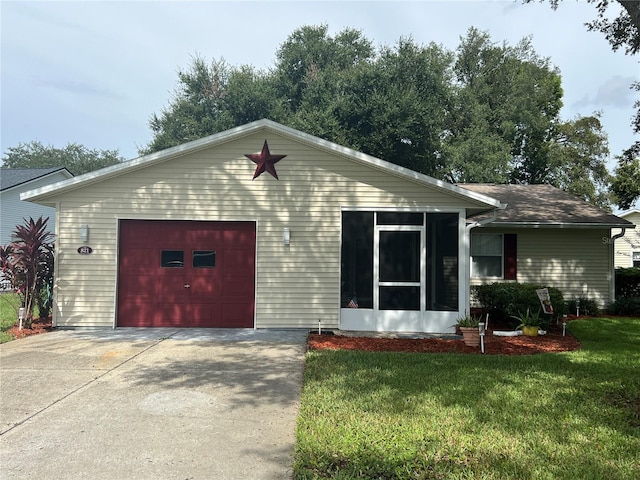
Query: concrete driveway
{"points": [[150, 404]]}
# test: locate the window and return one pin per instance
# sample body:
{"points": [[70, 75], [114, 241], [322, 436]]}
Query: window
{"points": [[635, 257], [204, 258], [172, 259], [494, 255], [486, 256]]}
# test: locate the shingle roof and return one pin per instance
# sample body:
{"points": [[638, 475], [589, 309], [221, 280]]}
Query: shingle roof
{"points": [[545, 206], [12, 177]]}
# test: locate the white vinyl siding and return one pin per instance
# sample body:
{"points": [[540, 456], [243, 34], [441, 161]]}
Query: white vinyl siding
{"points": [[13, 211], [296, 285], [628, 244], [577, 261]]}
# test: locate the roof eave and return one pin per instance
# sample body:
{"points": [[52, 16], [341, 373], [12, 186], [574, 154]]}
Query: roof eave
{"points": [[560, 225]]}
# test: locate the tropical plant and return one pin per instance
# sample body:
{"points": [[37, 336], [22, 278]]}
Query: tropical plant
{"points": [[468, 322], [528, 319], [27, 263]]}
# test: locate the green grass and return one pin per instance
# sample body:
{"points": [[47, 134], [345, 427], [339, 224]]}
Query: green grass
{"points": [[9, 304], [453, 416]]}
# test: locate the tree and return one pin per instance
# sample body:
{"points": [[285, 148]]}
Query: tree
{"points": [[485, 113], [579, 160], [507, 102], [621, 31], [211, 98], [28, 264], [626, 184], [76, 158]]}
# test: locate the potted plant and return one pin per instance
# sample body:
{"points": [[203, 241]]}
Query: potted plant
{"points": [[468, 326], [529, 323]]}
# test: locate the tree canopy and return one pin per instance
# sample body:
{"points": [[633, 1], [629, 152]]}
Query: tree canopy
{"points": [[622, 31], [78, 159], [485, 112]]}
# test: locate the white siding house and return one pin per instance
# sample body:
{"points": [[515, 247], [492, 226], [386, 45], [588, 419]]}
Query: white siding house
{"points": [[263, 226], [13, 211], [627, 247]]}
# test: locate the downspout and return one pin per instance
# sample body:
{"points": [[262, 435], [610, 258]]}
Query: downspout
{"points": [[612, 266], [486, 221]]}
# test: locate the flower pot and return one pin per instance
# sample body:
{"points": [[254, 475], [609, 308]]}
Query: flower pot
{"points": [[470, 336], [530, 331]]}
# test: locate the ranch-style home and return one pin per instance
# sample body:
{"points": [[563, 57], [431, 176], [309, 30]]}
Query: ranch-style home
{"points": [[263, 226]]}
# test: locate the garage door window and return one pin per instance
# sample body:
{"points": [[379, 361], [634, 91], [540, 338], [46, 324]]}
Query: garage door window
{"points": [[172, 259], [204, 259]]}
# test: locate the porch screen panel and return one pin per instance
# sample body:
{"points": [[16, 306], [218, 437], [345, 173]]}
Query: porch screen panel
{"points": [[357, 258], [442, 261]]}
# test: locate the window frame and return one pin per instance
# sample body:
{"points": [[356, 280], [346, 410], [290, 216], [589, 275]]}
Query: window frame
{"points": [[501, 256]]}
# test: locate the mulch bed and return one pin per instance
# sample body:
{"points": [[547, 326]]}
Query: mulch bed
{"points": [[39, 325], [553, 341]]}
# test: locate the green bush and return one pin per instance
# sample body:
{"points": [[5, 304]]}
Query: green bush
{"points": [[625, 306], [628, 282], [587, 306], [507, 300]]}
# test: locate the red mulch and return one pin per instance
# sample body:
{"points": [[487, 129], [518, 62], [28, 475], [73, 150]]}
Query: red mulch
{"points": [[39, 325], [553, 341]]}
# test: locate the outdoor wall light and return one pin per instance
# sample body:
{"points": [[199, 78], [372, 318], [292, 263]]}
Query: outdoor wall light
{"points": [[84, 233], [286, 236]]}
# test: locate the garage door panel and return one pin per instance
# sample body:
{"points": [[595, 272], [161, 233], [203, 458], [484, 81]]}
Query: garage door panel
{"points": [[237, 259], [237, 287], [236, 314], [139, 257], [205, 266]]}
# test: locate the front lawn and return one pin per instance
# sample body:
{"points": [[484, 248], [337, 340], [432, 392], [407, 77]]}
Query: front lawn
{"points": [[376, 415], [9, 303]]}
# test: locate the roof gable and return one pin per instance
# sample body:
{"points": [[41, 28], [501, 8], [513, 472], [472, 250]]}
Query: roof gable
{"points": [[545, 206], [249, 129], [13, 177]]}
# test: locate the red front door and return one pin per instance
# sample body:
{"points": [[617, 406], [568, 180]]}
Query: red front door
{"points": [[186, 274]]}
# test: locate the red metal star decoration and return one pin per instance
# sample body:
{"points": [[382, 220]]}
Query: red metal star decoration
{"points": [[265, 161]]}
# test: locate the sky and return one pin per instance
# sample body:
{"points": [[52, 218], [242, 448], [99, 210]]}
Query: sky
{"points": [[93, 72]]}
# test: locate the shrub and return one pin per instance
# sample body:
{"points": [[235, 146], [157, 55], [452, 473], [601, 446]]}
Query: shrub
{"points": [[625, 306], [507, 300], [27, 263], [628, 282], [587, 306]]}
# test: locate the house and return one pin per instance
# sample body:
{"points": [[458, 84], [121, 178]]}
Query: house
{"points": [[263, 226], [627, 247], [546, 236], [13, 211]]}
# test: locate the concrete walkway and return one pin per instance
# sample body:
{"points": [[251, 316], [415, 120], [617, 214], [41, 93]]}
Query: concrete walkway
{"points": [[150, 404]]}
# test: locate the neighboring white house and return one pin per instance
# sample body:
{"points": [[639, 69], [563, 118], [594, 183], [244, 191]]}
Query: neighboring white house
{"points": [[264, 226], [627, 247], [13, 211]]}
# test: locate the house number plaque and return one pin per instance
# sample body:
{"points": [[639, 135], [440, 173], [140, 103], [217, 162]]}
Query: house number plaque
{"points": [[85, 250]]}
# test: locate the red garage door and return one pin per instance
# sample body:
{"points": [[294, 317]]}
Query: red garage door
{"points": [[186, 274]]}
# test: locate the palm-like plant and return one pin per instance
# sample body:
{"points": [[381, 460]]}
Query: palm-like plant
{"points": [[27, 263]]}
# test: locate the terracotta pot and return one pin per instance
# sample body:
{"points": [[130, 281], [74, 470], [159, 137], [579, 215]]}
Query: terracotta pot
{"points": [[470, 336], [530, 331]]}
